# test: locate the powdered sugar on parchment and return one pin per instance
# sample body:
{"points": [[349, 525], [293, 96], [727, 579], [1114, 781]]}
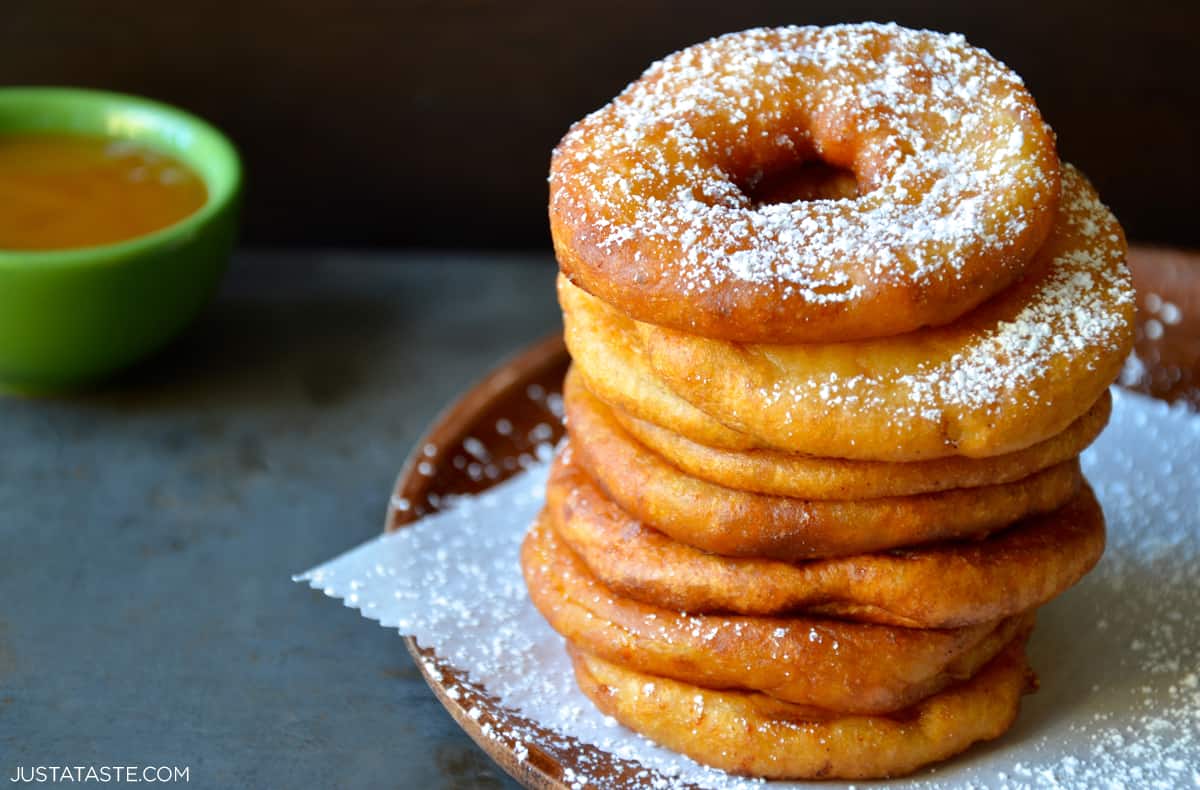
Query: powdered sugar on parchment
{"points": [[1118, 656]]}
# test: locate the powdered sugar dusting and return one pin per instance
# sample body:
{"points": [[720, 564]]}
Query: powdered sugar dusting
{"points": [[1119, 656], [1076, 312], [1078, 316], [950, 150]]}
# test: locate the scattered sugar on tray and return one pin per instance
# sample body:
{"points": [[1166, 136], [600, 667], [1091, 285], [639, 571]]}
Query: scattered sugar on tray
{"points": [[463, 595], [1171, 314], [477, 449], [1168, 312]]}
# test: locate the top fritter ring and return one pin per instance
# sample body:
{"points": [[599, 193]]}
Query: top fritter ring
{"points": [[957, 175]]}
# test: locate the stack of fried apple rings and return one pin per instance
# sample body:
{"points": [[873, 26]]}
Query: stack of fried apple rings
{"points": [[841, 324]]}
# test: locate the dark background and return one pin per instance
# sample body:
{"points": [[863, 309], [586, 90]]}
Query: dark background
{"points": [[375, 122]]}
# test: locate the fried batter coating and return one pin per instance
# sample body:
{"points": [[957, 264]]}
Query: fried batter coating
{"points": [[808, 477], [822, 663], [745, 524], [941, 586], [649, 196], [754, 735]]}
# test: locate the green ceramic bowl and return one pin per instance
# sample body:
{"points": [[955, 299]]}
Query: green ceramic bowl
{"points": [[70, 317]]}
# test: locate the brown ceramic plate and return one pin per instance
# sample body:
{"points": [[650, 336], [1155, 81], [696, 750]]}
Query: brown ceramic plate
{"points": [[1168, 330], [479, 441], [495, 428]]}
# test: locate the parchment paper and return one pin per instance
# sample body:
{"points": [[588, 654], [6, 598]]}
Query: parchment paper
{"points": [[1118, 656]]}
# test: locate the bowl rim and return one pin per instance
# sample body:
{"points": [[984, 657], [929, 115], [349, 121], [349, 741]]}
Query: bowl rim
{"points": [[220, 192]]}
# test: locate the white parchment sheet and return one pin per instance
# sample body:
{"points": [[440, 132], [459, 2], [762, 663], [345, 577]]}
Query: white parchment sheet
{"points": [[1118, 656]]}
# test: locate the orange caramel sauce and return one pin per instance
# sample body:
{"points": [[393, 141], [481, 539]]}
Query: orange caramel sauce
{"points": [[59, 191]]}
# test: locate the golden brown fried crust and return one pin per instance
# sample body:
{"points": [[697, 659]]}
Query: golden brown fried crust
{"points": [[607, 352], [744, 524], [827, 664], [940, 586], [791, 474], [753, 735], [603, 244]]}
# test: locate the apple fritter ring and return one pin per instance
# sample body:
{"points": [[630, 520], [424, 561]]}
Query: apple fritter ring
{"points": [[791, 474], [754, 735], [1014, 372], [823, 663], [745, 524], [940, 586], [652, 206], [607, 352]]}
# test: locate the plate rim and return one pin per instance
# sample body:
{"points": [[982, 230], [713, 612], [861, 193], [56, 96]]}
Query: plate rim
{"points": [[445, 430]]}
